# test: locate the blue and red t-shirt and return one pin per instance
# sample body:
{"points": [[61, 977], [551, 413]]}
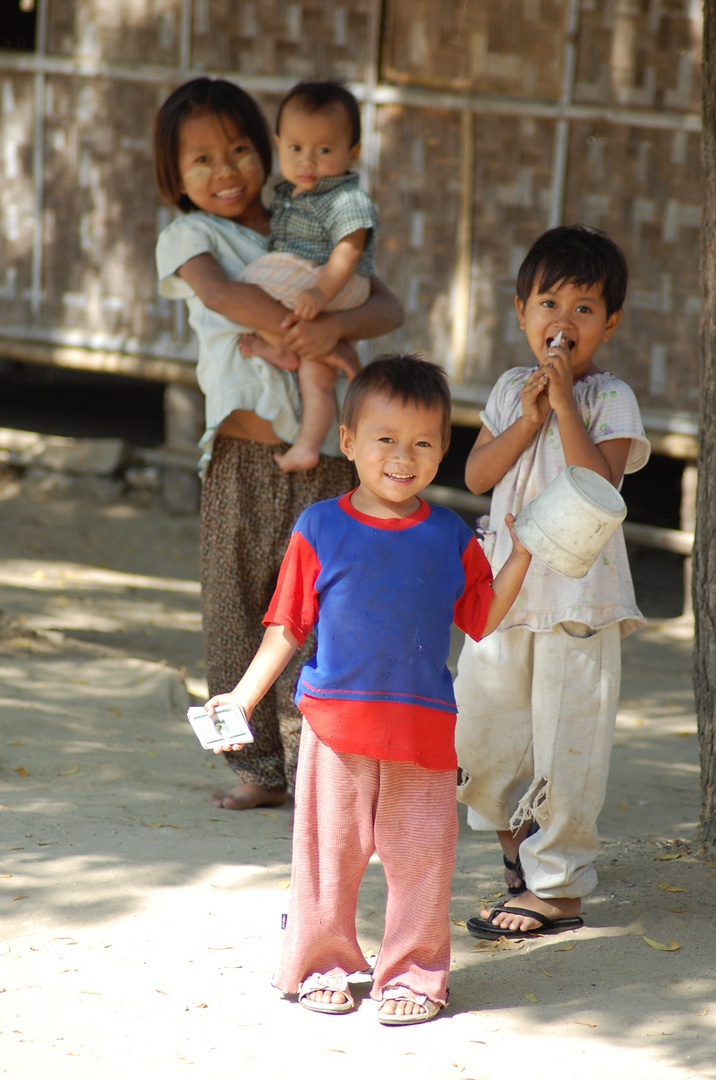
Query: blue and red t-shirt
{"points": [[383, 595]]}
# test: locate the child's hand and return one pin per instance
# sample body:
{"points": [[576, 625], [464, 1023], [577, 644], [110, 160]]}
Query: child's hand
{"points": [[517, 546], [557, 366], [508, 580], [309, 303], [535, 397], [226, 699]]}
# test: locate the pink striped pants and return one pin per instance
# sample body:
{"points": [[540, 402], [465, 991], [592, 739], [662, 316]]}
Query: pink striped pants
{"points": [[284, 275], [347, 807]]}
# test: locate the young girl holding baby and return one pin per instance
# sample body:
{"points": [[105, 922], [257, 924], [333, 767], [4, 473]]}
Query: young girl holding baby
{"points": [[213, 157]]}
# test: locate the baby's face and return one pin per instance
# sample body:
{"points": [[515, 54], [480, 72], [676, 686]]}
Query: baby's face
{"points": [[311, 145]]}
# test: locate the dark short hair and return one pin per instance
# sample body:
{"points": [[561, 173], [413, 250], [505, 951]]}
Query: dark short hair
{"points": [[579, 254], [217, 96], [314, 96], [399, 375]]}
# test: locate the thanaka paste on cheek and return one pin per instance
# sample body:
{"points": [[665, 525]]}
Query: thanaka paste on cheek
{"points": [[200, 170], [249, 164]]}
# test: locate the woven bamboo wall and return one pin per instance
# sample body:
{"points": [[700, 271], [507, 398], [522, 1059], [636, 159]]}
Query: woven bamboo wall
{"points": [[316, 40], [513, 47], [417, 189], [640, 54], [18, 202], [117, 31], [643, 186], [100, 213], [474, 103]]}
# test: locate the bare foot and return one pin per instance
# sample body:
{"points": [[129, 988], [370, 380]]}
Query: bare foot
{"points": [[248, 797], [345, 358], [298, 459], [326, 993], [562, 908], [328, 997], [253, 345], [401, 1007]]}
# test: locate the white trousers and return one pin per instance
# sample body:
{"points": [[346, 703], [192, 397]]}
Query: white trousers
{"points": [[535, 727]]}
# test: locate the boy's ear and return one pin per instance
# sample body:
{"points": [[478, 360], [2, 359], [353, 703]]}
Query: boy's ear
{"points": [[346, 441], [276, 138], [612, 324], [520, 307], [353, 153]]}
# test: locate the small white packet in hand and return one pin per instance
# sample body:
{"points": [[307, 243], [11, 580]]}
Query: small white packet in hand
{"points": [[228, 725]]}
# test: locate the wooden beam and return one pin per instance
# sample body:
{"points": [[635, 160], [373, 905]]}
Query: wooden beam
{"points": [[108, 362]]}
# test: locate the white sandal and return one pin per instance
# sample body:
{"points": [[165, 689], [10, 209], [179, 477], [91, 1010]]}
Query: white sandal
{"points": [[429, 1009], [337, 983]]}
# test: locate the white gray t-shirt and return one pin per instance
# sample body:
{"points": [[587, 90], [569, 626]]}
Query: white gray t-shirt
{"points": [[606, 594], [228, 379]]}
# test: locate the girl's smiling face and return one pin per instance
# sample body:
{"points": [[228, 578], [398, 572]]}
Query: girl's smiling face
{"points": [[220, 169], [579, 311]]}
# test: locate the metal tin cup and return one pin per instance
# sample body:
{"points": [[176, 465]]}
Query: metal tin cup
{"points": [[569, 523]]}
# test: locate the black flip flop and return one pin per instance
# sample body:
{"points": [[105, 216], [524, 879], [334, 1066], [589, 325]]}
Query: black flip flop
{"points": [[516, 868], [486, 929]]}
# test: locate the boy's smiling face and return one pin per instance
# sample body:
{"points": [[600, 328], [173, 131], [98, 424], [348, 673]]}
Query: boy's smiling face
{"points": [[579, 311], [397, 447]]}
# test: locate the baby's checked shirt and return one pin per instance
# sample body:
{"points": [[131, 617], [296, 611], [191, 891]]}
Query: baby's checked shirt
{"points": [[311, 224]]}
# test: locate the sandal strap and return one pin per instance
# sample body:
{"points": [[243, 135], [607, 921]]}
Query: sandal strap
{"points": [[543, 920], [515, 867], [336, 981], [404, 993]]}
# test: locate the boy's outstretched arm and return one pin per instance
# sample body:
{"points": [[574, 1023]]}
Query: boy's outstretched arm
{"points": [[508, 581], [274, 652]]}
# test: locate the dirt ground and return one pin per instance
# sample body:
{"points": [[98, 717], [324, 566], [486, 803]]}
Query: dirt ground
{"points": [[141, 925]]}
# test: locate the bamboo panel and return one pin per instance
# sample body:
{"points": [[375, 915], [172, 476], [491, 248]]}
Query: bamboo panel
{"points": [[417, 190], [513, 179], [17, 215], [316, 39], [117, 31], [640, 54], [643, 187], [100, 211], [514, 47]]}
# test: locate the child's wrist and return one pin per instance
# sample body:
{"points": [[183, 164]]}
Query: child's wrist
{"points": [[528, 426]]}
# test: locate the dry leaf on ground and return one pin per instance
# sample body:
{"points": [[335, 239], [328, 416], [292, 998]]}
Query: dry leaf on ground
{"points": [[663, 948]]}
